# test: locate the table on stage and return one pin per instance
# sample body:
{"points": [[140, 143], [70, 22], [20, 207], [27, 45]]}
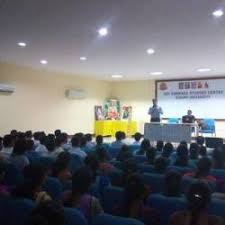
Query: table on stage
{"points": [[169, 132], [110, 127]]}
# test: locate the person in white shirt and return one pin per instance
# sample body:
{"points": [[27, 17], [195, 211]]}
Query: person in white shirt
{"points": [[75, 149], [137, 138], [8, 143], [119, 140]]}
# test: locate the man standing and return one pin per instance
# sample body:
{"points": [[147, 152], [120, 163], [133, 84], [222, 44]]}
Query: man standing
{"points": [[189, 118], [155, 111]]}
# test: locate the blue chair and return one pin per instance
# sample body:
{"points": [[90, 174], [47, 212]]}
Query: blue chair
{"points": [[113, 152], [208, 127], [155, 181], [112, 197], [180, 169], [13, 176], [166, 205], [106, 219], [146, 168], [140, 158], [74, 217], [173, 120], [53, 187]]}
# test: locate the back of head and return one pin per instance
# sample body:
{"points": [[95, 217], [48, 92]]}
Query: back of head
{"points": [[167, 150], [160, 164], [50, 143], [29, 145], [8, 141], [203, 167], [182, 155], [88, 137], [119, 136], [173, 184], [91, 161], [28, 134], [123, 134], [145, 144], [36, 135], [81, 181], [184, 143], [218, 157], [151, 154], [159, 146], [194, 149], [137, 136], [75, 141], [64, 157], [129, 166], [99, 139], [47, 213], [198, 199], [19, 147], [64, 137], [57, 132], [200, 140], [202, 151], [83, 142]]}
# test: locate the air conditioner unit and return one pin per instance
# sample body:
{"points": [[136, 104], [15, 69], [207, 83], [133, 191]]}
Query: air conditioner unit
{"points": [[75, 94], [5, 88]]}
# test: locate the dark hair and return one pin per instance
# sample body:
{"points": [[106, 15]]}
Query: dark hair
{"points": [[81, 181], [182, 156], [13, 133], [218, 157], [124, 153], [63, 137], [50, 143], [203, 167], [75, 141], [83, 142], [173, 184], [57, 132], [194, 151], [28, 134], [137, 136], [123, 134], [29, 145], [151, 154], [184, 143], [64, 157], [101, 154], [88, 137], [159, 146], [134, 190], [42, 138], [19, 147], [99, 139], [36, 135], [160, 165], [202, 151], [129, 167], [200, 140], [198, 199], [47, 213], [119, 136], [167, 150], [8, 141], [91, 161], [58, 167]]}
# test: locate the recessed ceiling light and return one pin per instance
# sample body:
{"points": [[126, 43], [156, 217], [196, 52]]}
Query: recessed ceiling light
{"points": [[218, 13], [83, 58], [44, 62], [103, 31], [22, 44], [117, 76], [150, 51], [203, 70], [156, 73]]}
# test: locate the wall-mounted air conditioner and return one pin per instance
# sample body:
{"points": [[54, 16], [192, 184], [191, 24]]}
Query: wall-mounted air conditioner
{"points": [[5, 88], [76, 94]]}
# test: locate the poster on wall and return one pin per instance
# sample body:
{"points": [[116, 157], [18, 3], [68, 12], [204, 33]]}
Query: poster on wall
{"points": [[99, 115], [112, 109], [126, 112]]}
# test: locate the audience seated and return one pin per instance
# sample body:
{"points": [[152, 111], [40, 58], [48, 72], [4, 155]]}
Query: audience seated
{"points": [[79, 197], [8, 143], [18, 157], [57, 133], [159, 146], [198, 200], [133, 205], [41, 148], [137, 138], [167, 150], [90, 144], [58, 145], [119, 140], [200, 141], [34, 177], [64, 141], [47, 213], [124, 154], [28, 135], [160, 165], [172, 184], [99, 140], [202, 151], [145, 145], [150, 155], [4, 189], [193, 154], [75, 149], [218, 158], [182, 156], [203, 170]]}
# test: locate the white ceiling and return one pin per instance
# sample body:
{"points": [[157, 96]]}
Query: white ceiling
{"points": [[183, 33]]}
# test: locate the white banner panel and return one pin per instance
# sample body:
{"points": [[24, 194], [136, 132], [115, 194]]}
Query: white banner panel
{"points": [[206, 98]]}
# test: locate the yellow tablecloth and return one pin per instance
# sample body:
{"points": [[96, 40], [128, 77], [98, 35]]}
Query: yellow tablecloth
{"points": [[110, 127]]}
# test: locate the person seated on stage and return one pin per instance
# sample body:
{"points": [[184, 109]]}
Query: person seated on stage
{"points": [[182, 156], [124, 154], [150, 154], [203, 170], [160, 165], [145, 145], [76, 147], [137, 138], [200, 141], [189, 118], [119, 140], [218, 158], [173, 184], [202, 151], [159, 146], [198, 200]]}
